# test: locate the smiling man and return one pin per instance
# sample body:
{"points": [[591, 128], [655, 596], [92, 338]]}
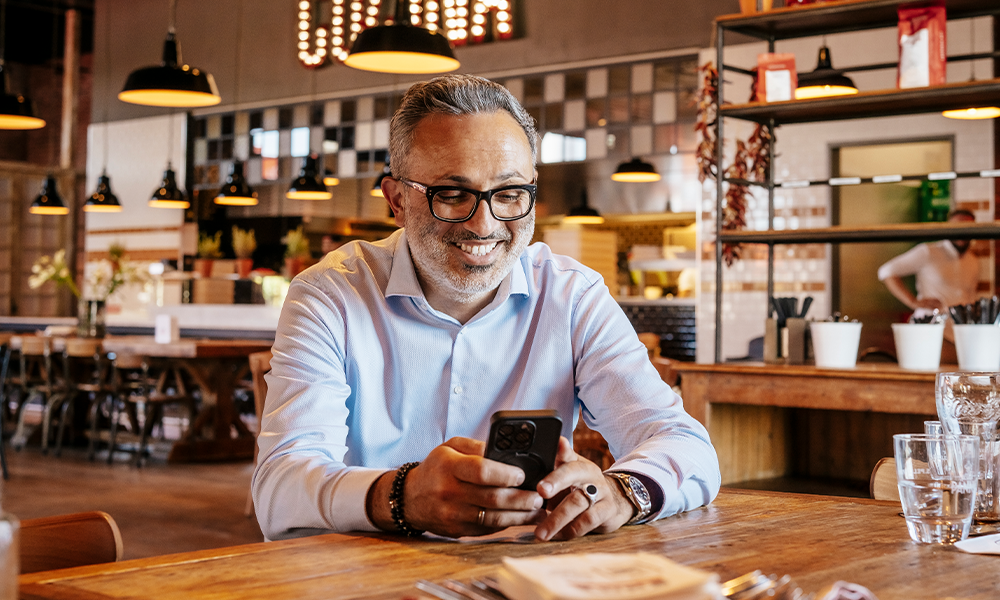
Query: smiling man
{"points": [[391, 357]]}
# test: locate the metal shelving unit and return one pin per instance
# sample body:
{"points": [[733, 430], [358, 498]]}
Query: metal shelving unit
{"points": [[826, 18]]}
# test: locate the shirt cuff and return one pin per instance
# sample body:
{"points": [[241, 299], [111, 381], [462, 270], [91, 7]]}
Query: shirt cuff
{"points": [[348, 505]]}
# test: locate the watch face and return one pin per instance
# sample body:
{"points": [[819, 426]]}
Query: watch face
{"points": [[640, 491]]}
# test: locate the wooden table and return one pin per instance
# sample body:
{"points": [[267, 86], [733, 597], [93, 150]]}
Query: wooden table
{"points": [[753, 415], [214, 366], [815, 539]]}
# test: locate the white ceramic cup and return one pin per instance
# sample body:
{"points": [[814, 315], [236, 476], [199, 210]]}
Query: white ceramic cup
{"points": [[918, 345], [978, 347], [835, 344]]}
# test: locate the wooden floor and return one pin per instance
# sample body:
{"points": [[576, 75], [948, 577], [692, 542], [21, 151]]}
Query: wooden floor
{"points": [[160, 508]]}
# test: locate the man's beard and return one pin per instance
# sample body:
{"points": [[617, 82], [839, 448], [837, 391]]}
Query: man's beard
{"points": [[433, 260]]}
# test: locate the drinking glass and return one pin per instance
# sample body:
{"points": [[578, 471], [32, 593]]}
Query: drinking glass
{"points": [[933, 428], [936, 476]]}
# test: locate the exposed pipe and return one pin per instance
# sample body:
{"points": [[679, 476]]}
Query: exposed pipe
{"points": [[71, 88]]}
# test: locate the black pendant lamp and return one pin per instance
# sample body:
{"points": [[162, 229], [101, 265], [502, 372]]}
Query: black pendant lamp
{"points": [[236, 191], [168, 195], [103, 200], [401, 48], [635, 170], [377, 186], [49, 202], [824, 81], [171, 83], [307, 185], [584, 214], [329, 179], [16, 111]]}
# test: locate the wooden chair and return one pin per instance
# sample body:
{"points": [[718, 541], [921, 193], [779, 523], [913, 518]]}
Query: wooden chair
{"points": [[72, 540], [39, 381], [883, 482], [260, 363]]}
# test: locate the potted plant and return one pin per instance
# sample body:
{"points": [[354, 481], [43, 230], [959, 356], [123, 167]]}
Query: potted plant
{"points": [[296, 251], [244, 244], [208, 251]]}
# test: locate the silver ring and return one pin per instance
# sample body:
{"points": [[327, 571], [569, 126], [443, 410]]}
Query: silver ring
{"points": [[482, 517], [589, 492]]}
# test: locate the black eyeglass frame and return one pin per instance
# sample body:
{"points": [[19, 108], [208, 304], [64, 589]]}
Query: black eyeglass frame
{"points": [[431, 191]]}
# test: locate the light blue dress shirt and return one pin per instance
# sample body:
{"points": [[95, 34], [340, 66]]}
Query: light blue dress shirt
{"points": [[367, 376]]}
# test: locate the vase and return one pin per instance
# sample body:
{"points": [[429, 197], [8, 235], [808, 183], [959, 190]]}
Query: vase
{"points": [[203, 267], [90, 318], [243, 267]]}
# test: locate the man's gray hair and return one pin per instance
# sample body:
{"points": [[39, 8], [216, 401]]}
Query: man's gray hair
{"points": [[451, 95]]}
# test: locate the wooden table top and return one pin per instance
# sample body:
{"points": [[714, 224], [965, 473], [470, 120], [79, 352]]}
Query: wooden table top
{"points": [[184, 347], [884, 371], [815, 539]]}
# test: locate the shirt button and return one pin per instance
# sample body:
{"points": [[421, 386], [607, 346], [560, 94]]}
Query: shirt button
{"points": [[458, 389]]}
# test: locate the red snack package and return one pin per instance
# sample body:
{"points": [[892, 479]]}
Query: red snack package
{"points": [[776, 77], [922, 53]]}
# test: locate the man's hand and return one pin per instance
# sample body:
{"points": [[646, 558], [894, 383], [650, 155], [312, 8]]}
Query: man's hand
{"points": [[571, 514], [447, 491]]}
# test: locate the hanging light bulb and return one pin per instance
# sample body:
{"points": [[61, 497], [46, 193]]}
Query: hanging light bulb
{"points": [[307, 185], [824, 81], [168, 195], [584, 214], [49, 202], [236, 191], [16, 111], [103, 200], [329, 179], [635, 171], [376, 190], [970, 114], [401, 48], [171, 83]]}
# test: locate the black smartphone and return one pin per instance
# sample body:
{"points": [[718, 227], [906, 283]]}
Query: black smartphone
{"points": [[528, 439]]}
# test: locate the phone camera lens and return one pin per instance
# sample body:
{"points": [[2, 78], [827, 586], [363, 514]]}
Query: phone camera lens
{"points": [[503, 443], [506, 429]]}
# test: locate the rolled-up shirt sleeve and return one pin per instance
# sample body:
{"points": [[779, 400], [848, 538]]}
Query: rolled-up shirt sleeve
{"points": [[642, 419], [907, 263], [301, 484]]}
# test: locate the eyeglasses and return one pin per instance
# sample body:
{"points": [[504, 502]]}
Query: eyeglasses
{"points": [[454, 204]]}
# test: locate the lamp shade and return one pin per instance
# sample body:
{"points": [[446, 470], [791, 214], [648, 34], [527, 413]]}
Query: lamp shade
{"points": [[16, 111], [376, 190], [236, 191], [103, 200], [635, 170], [824, 81], [584, 214], [330, 180], [170, 83], [971, 114], [49, 202], [307, 185], [168, 195], [401, 49]]}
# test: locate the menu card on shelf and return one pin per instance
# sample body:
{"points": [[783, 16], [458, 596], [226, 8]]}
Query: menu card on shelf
{"points": [[605, 577]]}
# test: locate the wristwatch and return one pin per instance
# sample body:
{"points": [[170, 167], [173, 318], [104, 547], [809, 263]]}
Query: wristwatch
{"points": [[637, 494]]}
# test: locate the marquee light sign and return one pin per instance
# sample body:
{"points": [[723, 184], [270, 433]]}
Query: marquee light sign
{"points": [[462, 21]]}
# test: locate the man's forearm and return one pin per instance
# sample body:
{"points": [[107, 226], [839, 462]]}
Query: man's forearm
{"points": [[900, 291]]}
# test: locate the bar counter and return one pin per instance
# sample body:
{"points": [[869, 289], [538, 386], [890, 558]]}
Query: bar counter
{"points": [[817, 540], [770, 421]]}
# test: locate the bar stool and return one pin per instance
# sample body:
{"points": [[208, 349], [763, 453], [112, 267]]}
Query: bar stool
{"points": [[85, 371], [38, 382]]}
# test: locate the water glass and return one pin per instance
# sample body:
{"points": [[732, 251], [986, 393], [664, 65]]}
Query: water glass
{"points": [[933, 428], [937, 480], [974, 396]]}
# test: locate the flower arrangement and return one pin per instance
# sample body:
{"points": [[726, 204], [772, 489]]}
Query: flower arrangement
{"points": [[55, 269], [102, 278], [208, 246], [244, 242], [296, 244]]}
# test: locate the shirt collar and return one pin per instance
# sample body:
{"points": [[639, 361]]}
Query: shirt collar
{"points": [[403, 277]]}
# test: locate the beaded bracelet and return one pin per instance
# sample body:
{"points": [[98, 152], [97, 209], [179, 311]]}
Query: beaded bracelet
{"points": [[396, 501]]}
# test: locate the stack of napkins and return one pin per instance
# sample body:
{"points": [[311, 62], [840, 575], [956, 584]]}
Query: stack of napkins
{"points": [[604, 577]]}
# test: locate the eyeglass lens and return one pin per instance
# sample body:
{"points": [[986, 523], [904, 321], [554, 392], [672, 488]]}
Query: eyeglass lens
{"points": [[458, 204]]}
